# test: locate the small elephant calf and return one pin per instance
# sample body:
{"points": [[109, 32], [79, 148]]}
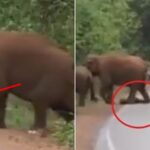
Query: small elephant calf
{"points": [[84, 83]]}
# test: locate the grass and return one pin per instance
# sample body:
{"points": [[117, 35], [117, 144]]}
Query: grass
{"points": [[20, 115], [65, 133]]}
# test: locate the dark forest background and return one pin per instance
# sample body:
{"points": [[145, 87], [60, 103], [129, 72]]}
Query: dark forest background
{"points": [[113, 25]]}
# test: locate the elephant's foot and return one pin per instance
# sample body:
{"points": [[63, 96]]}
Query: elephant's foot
{"points": [[125, 101], [44, 133], [40, 132], [38, 129], [145, 102], [108, 101], [94, 99], [38, 126], [81, 104], [135, 101], [82, 100]]}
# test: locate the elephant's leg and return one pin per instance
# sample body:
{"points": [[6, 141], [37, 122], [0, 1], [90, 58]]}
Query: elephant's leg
{"points": [[106, 86], [3, 97], [82, 99], [109, 94], [40, 115], [144, 93], [131, 98], [103, 93], [92, 92]]}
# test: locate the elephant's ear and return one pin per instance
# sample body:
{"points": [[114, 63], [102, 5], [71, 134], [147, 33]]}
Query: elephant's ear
{"points": [[92, 65]]}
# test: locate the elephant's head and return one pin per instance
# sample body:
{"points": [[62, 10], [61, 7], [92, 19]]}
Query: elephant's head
{"points": [[92, 63]]}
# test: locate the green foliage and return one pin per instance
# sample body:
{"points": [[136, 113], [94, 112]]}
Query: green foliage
{"points": [[19, 115], [64, 133], [104, 25], [54, 18], [142, 7]]}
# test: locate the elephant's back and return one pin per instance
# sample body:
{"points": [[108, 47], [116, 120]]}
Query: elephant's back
{"points": [[136, 60], [31, 59], [124, 68], [30, 48], [123, 60]]}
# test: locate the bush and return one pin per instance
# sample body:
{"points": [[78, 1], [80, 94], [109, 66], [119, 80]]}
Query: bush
{"points": [[54, 18], [105, 25]]}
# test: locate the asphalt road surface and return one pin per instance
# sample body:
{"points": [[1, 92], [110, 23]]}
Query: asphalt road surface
{"points": [[92, 118]]}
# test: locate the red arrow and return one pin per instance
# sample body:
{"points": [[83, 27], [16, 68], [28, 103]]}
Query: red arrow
{"points": [[10, 87]]}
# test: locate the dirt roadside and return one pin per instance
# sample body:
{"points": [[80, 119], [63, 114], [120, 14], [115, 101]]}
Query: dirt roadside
{"points": [[89, 120], [21, 140]]}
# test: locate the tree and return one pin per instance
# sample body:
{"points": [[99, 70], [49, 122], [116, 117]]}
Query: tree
{"points": [[104, 25], [54, 18]]}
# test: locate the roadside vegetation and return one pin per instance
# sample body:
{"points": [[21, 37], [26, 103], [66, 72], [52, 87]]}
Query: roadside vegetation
{"points": [[113, 25]]}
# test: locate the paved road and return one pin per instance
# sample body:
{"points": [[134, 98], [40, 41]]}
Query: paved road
{"points": [[116, 136], [91, 118]]}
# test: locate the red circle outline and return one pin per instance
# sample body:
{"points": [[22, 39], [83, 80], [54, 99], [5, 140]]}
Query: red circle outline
{"points": [[113, 104]]}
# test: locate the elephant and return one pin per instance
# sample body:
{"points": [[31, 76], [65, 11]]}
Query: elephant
{"points": [[45, 70], [84, 83], [116, 70]]}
